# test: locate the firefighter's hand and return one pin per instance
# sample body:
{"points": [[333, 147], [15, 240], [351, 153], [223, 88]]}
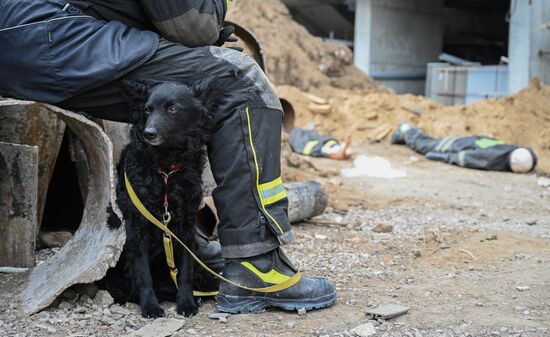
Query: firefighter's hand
{"points": [[226, 36]]}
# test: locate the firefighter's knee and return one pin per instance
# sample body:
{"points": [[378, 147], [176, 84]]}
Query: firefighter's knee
{"points": [[251, 73]]}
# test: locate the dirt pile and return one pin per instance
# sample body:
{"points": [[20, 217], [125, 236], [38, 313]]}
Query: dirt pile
{"points": [[522, 119], [368, 117], [294, 56]]}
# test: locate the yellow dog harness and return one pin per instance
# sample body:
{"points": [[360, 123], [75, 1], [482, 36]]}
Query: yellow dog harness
{"points": [[169, 248]]}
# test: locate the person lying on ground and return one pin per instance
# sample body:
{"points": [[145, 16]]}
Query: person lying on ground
{"points": [[75, 54], [309, 143], [477, 152]]}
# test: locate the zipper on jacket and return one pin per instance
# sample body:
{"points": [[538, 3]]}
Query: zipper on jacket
{"points": [[47, 21]]}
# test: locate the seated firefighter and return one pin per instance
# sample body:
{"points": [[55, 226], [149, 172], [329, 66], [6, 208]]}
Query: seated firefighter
{"points": [[311, 144], [75, 54], [477, 152]]}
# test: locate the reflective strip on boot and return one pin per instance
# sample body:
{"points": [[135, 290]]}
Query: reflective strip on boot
{"points": [[273, 276]]}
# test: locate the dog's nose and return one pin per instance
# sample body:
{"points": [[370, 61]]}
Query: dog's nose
{"points": [[150, 133]]}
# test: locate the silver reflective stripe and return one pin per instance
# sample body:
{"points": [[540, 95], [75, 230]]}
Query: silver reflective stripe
{"points": [[252, 71], [461, 158], [449, 143], [442, 144]]}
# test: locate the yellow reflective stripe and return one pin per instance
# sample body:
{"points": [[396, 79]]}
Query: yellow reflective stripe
{"points": [[275, 198], [258, 172], [271, 184], [145, 212], [272, 191], [330, 143], [484, 143], [273, 276], [309, 147], [228, 4]]}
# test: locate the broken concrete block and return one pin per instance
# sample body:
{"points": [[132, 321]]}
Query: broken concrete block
{"points": [[383, 228], [54, 239], [218, 315], [161, 327], [364, 330], [491, 237], [103, 298], [522, 288], [387, 311]]}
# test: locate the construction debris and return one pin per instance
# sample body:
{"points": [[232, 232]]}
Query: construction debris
{"points": [[383, 228], [103, 298], [387, 311], [321, 109], [364, 330], [54, 239], [161, 327], [12, 270]]}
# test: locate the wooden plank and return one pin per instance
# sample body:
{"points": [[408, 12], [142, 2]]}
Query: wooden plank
{"points": [[18, 204]]}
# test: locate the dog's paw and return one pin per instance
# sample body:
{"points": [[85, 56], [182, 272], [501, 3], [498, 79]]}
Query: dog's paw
{"points": [[152, 311], [187, 306]]}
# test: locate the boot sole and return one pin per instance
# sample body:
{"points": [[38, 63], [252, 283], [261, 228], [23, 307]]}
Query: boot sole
{"points": [[257, 304]]}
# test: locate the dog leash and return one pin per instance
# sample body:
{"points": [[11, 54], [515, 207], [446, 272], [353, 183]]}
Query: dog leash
{"points": [[169, 250]]}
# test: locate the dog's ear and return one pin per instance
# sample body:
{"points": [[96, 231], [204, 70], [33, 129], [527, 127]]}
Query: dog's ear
{"points": [[135, 94], [208, 93]]}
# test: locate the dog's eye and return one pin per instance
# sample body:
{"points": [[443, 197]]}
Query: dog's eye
{"points": [[147, 110], [172, 109]]}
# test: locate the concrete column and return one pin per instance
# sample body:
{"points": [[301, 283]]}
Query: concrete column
{"points": [[529, 43], [540, 40], [362, 35], [519, 45], [395, 39]]}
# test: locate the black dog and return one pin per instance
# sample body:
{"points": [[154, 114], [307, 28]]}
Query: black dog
{"points": [[170, 129]]}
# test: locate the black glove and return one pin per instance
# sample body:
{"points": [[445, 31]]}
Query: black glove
{"points": [[226, 36]]}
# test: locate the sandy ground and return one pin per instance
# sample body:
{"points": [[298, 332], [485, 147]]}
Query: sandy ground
{"points": [[437, 260]]}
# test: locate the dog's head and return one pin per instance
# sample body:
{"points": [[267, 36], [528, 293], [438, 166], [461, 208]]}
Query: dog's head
{"points": [[166, 114]]}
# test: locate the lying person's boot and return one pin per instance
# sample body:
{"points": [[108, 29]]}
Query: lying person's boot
{"points": [[210, 252], [266, 270], [398, 136]]}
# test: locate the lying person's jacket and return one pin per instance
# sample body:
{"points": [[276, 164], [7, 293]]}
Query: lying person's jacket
{"points": [[484, 153]]}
